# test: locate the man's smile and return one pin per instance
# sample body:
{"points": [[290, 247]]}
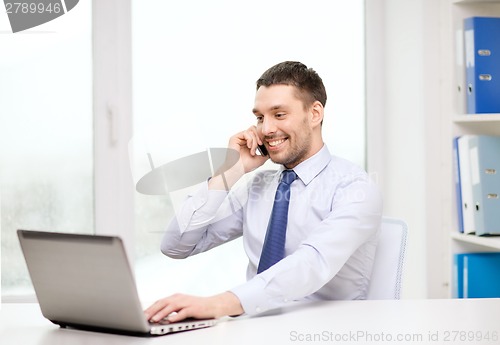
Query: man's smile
{"points": [[275, 144]]}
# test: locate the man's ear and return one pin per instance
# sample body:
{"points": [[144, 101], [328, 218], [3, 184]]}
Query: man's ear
{"points": [[317, 112]]}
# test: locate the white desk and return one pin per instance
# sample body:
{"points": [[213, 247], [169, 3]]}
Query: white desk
{"points": [[467, 321]]}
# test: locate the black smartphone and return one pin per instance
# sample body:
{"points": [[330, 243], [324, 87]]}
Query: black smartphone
{"points": [[263, 150]]}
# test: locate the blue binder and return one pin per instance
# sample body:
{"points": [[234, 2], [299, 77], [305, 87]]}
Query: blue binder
{"points": [[458, 276], [484, 156], [458, 192], [476, 275], [482, 61]]}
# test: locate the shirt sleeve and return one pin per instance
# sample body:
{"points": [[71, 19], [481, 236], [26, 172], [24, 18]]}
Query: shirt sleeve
{"points": [[355, 218], [205, 220]]}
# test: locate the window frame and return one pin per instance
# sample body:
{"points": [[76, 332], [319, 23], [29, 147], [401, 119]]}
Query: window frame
{"points": [[112, 106]]}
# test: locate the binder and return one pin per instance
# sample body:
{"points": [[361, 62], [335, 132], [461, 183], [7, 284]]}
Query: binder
{"points": [[484, 156], [460, 81], [465, 185], [458, 193], [482, 64], [476, 275], [458, 276]]}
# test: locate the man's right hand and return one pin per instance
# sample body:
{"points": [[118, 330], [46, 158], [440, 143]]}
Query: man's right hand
{"points": [[245, 143]]}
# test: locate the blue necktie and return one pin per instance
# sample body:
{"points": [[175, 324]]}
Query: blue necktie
{"points": [[274, 244]]}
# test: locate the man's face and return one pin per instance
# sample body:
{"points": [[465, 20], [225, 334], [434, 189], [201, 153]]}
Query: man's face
{"points": [[283, 124]]}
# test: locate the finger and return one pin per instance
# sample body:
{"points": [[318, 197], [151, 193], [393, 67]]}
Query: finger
{"points": [[179, 315], [162, 311], [240, 139], [252, 141], [249, 139], [162, 314], [253, 129], [154, 308]]}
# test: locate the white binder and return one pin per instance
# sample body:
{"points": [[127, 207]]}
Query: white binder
{"points": [[466, 184]]}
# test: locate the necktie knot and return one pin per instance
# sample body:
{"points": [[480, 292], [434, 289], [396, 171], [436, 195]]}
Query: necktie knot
{"points": [[288, 176]]}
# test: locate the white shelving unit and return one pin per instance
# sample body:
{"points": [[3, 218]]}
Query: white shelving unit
{"points": [[488, 243], [482, 118], [462, 123]]}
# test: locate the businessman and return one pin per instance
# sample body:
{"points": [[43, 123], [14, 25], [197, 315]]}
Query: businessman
{"points": [[309, 229]]}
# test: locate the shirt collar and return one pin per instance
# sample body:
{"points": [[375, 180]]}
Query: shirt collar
{"points": [[312, 166]]}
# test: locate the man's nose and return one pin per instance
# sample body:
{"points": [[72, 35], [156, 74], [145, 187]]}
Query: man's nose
{"points": [[268, 126]]}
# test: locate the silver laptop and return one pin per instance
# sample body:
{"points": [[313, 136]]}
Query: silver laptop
{"points": [[86, 282]]}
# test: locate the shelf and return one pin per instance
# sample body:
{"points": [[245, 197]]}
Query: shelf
{"points": [[473, 1], [477, 118], [490, 242]]}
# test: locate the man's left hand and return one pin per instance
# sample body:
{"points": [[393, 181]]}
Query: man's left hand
{"points": [[179, 307]]}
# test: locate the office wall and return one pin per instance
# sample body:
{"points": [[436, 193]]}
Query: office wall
{"points": [[403, 107]]}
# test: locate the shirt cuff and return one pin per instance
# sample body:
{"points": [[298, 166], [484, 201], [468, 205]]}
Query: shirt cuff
{"points": [[254, 299], [208, 199], [204, 203]]}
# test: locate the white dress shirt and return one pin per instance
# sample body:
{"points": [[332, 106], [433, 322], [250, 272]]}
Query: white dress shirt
{"points": [[333, 224]]}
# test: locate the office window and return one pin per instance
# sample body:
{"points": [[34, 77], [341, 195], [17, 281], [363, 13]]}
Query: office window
{"points": [[195, 64], [46, 135]]}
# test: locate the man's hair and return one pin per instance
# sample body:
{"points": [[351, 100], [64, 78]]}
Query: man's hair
{"points": [[308, 83]]}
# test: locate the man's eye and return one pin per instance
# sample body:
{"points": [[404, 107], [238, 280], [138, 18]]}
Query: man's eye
{"points": [[279, 115], [259, 118]]}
